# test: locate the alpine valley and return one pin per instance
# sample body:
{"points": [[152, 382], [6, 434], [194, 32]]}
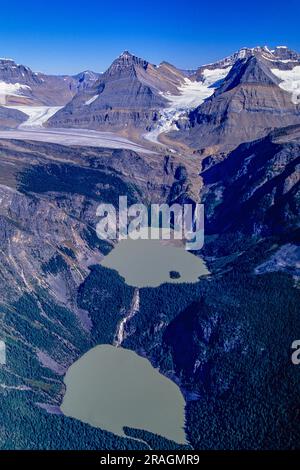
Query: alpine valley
{"points": [[217, 350]]}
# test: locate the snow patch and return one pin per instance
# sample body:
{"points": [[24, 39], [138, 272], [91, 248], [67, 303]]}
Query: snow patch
{"points": [[90, 101], [290, 81]]}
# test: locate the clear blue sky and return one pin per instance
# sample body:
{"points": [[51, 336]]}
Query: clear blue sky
{"points": [[68, 36]]}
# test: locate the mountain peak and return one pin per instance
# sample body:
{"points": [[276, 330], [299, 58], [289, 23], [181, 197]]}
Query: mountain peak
{"points": [[249, 69], [126, 54], [127, 58], [126, 62]]}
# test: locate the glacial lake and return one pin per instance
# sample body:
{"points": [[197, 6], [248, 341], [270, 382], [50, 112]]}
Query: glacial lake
{"points": [[110, 388], [148, 263]]}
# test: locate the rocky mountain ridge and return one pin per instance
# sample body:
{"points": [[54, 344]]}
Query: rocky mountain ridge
{"points": [[258, 94], [37, 88]]}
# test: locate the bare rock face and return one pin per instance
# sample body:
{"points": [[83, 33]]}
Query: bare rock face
{"points": [[126, 95]]}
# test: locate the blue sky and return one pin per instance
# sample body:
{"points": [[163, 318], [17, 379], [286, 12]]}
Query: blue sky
{"points": [[68, 36]]}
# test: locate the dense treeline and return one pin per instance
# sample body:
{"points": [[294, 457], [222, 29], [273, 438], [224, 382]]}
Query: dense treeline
{"points": [[95, 184]]}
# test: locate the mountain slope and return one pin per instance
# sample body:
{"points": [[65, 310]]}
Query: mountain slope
{"points": [[255, 190], [247, 105], [127, 95]]}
